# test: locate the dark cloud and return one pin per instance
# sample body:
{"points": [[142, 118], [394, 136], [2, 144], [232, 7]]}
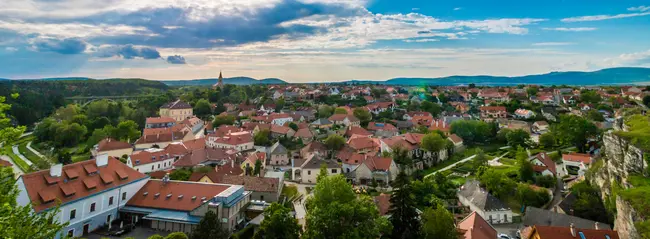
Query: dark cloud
{"points": [[128, 52], [176, 59], [67, 46], [221, 30]]}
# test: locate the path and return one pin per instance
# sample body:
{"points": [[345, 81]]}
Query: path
{"points": [[17, 170], [495, 162], [557, 194], [29, 146], [21, 156], [299, 206], [451, 166]]}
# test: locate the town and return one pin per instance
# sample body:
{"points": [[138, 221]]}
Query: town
{"points": [[339, 161]]}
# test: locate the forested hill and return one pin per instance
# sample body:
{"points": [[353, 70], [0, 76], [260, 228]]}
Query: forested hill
{"points": [[39, 98]]}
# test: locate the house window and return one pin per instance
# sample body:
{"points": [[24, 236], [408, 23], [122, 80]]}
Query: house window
{"points": [[71, 233], [92, 207], [334, 170], [308, 172], [73, 214], [151, 167], [124, 196], [110, 201], [262, 197]]}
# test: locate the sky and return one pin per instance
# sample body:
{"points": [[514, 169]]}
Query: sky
{"points": [[318, 40]]}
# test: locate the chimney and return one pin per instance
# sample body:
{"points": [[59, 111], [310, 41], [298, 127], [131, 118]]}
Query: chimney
{"points": [[596, 226], [55, 170], [102, 160], [573, 230]]}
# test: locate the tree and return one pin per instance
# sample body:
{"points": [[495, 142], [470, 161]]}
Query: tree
{"points": [[403, 211], [223, 120], [325, 111], [439, 224], [322, 173], [363, 115], [526, 172], [575, 130], [335, 211], [293, 126], [203, 109], [262, 138], [278, 223], [180, 175], [156, 237], [340, 111], [181, 235], [517, 138], [210, 227], [590, 96], [595, 115], [434, 109], [401, 156], [646, 100], [257, 171], [480, 160], [547, 140], [472, 131], [497, 183], [334, 142], [126, 131], [433, 142], [531, 197], [64, 157]]}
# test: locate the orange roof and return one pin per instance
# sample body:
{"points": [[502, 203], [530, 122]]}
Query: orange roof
{"points": [[475, 227], [169, 195], [42, 189], [378, 163], [356, 130], [109, 144], [159, 120], [455, 139], [251, 183], [341, 117], [493, 108], [280, 129], [362, 143], [440, 124], [577, 157], [150, 156], [235, 139], [550, 232], [374, 126], [383, 203], [304, 133]]}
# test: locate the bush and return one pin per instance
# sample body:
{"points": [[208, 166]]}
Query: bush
{"points": [[545, 181], [156, 237], [176, 235]]}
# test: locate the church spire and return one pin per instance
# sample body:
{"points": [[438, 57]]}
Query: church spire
{"points": [[220, 83]]}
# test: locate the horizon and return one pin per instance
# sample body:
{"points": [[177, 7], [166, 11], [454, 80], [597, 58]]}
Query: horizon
{"points": [[306, 41]]}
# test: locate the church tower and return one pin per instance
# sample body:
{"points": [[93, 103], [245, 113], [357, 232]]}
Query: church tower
{"points": [[219, 83]]}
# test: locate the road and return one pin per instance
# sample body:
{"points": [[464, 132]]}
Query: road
{"points": [[451, 165]]}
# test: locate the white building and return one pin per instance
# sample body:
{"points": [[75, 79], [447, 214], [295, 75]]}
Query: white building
{"points": [[151, 160], [240, 141], [576, 163], [479, 200], [307, 170], [88, 193]]}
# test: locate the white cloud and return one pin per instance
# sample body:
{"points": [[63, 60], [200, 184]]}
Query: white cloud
{"points": [[639, 9], [552, 43], [636, 58], [73, 29], [11, 49], [571, 29], [421, 40], [604, 17], [415, 9], [458, 8]]}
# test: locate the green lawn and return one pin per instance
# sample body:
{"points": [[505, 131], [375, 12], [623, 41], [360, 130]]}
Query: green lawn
{"points": [[6, 150], [80, 157]]}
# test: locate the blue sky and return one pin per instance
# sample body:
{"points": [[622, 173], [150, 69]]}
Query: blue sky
{"points": [[318, 40]]}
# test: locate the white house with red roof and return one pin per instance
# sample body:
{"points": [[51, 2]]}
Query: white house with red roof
{"points": [[88, 193], [544, 165], [151, 160], [577, 163], [240, 141], [382, 169]]}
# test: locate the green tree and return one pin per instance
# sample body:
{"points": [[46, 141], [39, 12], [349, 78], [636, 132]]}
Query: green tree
{"points": [[278, 223], [433, 142], [526, 172], [334, 142], [180, 175], [531, 197], [518, 138], [322, 173], [575, 130], [126, 131], [69, 134], [257, 171], [434, 109], [203, 109], [480, 160], [646, 100], [340, 111], [262, 138], [325, 111], [156, 237], [403, 211], [438, 224], [335, 211], [497, 183], [223, 120], [401, 156], [590, 96], [363, 115], [547, 140], [595, 115], [293, 126], [210, 227], [472, 131], [181, 235]]}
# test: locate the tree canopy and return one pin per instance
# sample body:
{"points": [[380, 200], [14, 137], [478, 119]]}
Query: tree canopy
{"points": [[433, 142], [403, 210], [575, 130], [334, 142], [278, 223]]}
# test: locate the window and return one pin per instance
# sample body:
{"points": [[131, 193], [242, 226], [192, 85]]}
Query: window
{"points": [[110, 201], [124, 196], [334, 170], [262, 197], [151, 167], [158, 166], [308, 172], [71, 233], [73, 214], [92, 207]]}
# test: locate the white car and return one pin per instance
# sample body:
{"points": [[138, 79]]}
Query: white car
{"points": [[503, 236]]}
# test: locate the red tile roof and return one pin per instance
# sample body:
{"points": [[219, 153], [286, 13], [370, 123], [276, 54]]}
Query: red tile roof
{"points": [[546, 160], [362, 143], [475, 227], [200, 156], [250, 183], [378, 163], [341, 117], [160, 120], [192, 193], [383, 203], [42, 188], [109, 144], [375, 126], [304, 133], [550, 232], [150, 156], [5, 163], [235, 139], [493, 108], [455, 139], [356, 130], [577, 157]]}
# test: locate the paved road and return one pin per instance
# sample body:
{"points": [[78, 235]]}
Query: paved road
{"points": [[451, 166], [17, 170], [21, 156], [557, 194]]}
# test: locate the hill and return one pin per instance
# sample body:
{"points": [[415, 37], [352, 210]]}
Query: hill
{"points": [[241, 80], [610, 76]]}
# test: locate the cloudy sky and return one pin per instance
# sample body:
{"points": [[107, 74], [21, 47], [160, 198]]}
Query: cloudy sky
{"points": [[318, 40]]}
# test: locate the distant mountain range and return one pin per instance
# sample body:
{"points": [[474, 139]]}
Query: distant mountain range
{"points": [[609, 76], [241, 80]]}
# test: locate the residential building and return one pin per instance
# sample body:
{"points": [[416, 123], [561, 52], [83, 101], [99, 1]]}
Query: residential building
{"points": [[383, 170], [252, 158], [544, 165], [305, 135], [88, 194], [344, 119], [524, 114], [159, 122], [488, 112], [475, 227], [281, 131], [240, 141], [178, 110], [161, 137], [168, 205], [306, 170], [356, 131], [457, 141], [551, 232], [261, 188], [542, 217], [482, 202], [278, 155], [208, 156], [322, 123], [112, 147], [384, 130], [151, 160], [576, 163], [540, 127]]}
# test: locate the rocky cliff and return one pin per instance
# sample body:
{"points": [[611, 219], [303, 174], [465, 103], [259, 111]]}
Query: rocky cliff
{"points": [[620, 159]]}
